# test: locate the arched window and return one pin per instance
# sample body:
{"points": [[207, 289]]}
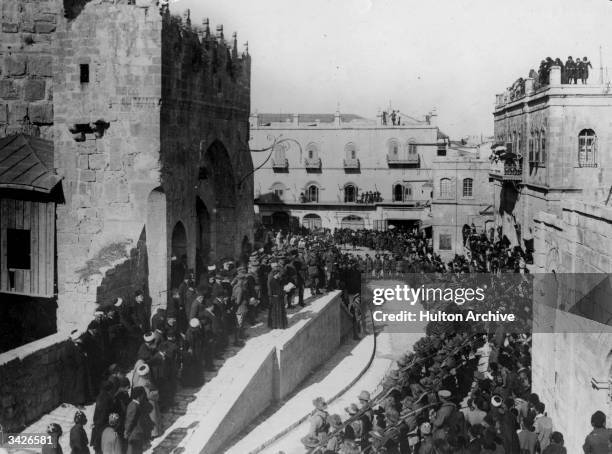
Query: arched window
{"points": [[398, 193], [587, 148], [412, 147], [350, 193], [279, 152], [446, 191], [350, 151], [467, 187], [312, 151], [279, 190], [407, 192], [393, 145], [312, 193]]}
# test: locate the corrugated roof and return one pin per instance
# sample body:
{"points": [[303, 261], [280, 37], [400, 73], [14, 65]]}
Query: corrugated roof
{"points": [[26, 163], [305, 118]]}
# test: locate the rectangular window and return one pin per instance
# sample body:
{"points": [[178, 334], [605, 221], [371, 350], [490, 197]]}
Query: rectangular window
{"points": [[467, 187], [441, 150], [445, 242], [536, 156], [18, 249], [84, 73], [531, 151], [543, 150]]}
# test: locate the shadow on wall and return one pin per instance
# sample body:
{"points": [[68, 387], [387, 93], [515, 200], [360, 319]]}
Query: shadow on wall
{"points": [[128, 276], [72, 8], [24, 319], [508, 197]]}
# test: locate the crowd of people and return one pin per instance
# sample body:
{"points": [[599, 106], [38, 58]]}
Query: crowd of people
{"points": [[466, 387], [572, 70], [393, 116], [132, 364], [369, 197]]}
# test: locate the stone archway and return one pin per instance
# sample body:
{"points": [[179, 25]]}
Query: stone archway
{"points": [[157, 248], [223, 187]]}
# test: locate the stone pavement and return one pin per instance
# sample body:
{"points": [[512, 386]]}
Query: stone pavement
{"points": [[190, 403]]}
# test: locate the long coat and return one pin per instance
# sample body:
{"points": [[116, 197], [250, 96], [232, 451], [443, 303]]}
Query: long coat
{"points": [[277, 315], [78, 440], [104, 405], [76, 378]]}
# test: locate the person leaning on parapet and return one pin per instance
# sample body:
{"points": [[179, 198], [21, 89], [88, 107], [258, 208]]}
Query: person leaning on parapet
{"points": [[597, 441]]}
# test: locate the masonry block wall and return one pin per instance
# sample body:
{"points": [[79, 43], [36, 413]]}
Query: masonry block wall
{"points": [[570, 350], [107, 86], [30, 381], [26, 88], [558, 113], [204, 138]]}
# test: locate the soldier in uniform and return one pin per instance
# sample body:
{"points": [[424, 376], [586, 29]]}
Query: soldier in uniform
{"points": [[570, 70], [586, 64], [187, 291], [300, 269], [319, 425]]}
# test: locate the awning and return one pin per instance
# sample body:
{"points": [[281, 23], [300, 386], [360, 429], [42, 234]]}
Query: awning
{"points": [[26, 163]]}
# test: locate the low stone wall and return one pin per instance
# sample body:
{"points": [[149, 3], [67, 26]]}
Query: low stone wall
{"points": [[30, 381], [272, 369], [308, 344]]}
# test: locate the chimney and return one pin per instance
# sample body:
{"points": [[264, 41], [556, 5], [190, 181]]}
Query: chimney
{"points": [[555, 75], [337, 119]]}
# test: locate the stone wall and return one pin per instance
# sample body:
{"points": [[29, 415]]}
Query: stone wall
{"points": [[26, 65], [106, 145], [204, 137], [571, 350], [271, 373], [30, 381]]}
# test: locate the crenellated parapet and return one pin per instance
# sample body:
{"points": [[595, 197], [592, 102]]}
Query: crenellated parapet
{"points": [[201, 64]]}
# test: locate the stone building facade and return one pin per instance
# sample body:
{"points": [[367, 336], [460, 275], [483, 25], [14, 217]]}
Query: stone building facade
{"points": [[324, 164], [148, 115], [461, 196], [552, 184], [560, 136], [572, 357]]}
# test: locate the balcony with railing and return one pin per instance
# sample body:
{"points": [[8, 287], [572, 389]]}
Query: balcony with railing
{"points": [[351, 163], [409, 159], [280, 163], [507, 171], [312, 163]]}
